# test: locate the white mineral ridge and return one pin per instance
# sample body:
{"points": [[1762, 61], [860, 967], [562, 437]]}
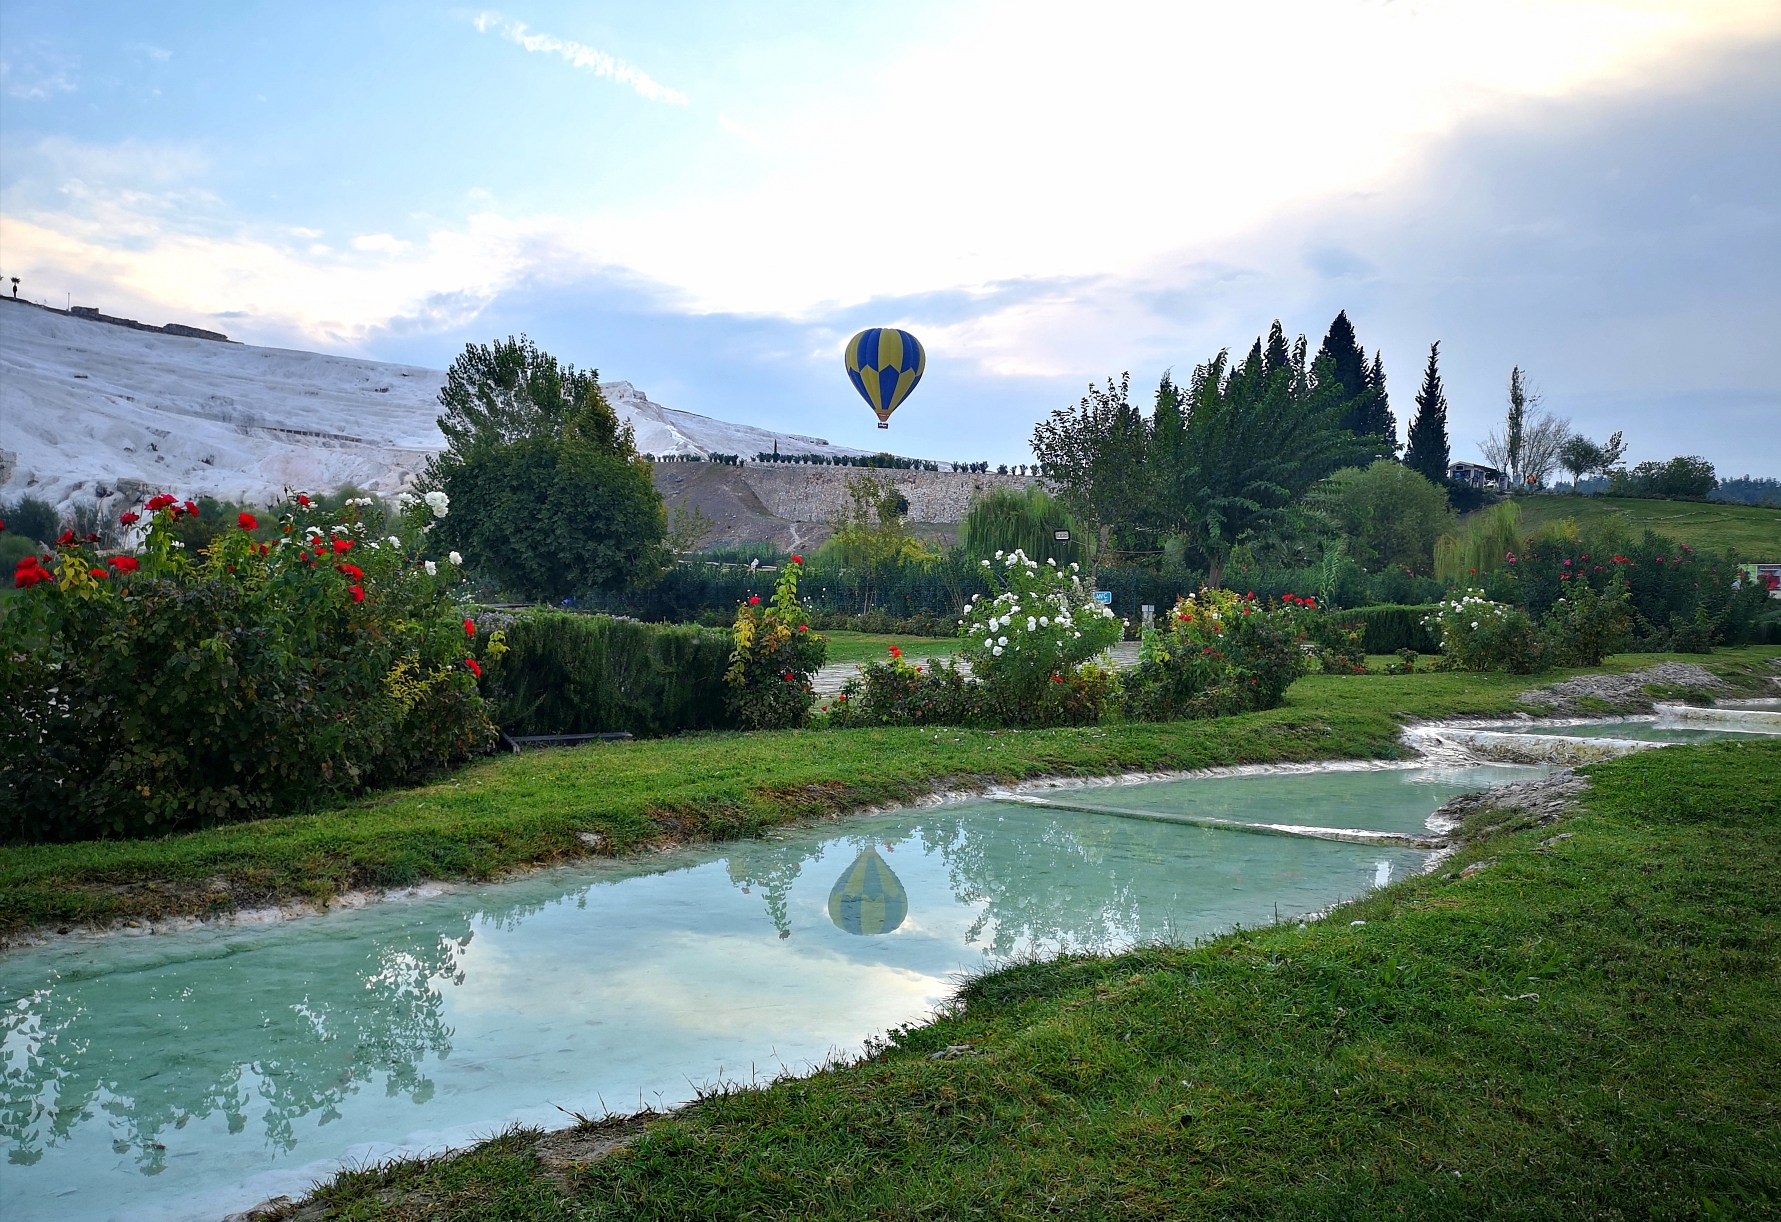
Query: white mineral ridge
{"points": [[88, 406]]}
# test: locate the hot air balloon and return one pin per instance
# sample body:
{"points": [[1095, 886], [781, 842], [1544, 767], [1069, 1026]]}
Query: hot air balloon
{"points": [[884, 365], [868, 899]]}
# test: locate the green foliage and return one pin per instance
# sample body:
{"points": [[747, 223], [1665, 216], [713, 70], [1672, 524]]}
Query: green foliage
{"points": [[1681, 478], [1215, 654], [1481, 544], [870, 536], [589, 674], [901, 693], [774, 657], [497, 394], [1391, 629], [551, 520], [1478, 634], [1031, 636], [1097, 455], [1390, 514], [1428, 452], [552, 500], [143, 694], [31, 519], [1364, 409], [1586, 625], [1027, 521]]}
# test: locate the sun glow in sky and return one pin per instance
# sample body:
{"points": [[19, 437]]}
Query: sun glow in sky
{"points": [[706, 200]]}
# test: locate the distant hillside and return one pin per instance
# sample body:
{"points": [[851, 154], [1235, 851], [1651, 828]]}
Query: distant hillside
{"points": [[92, 408], [1754, 530]]}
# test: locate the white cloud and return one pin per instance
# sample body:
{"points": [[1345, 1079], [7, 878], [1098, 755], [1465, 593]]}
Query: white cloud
{"points": [[383, 242], [36, 73], [580, 55]]}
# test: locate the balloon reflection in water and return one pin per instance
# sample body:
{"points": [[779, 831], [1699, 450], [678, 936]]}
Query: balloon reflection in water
{"points": [[868, 899]]}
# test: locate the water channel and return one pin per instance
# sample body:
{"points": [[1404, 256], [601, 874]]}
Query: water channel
{"points": [[187, 1075]]}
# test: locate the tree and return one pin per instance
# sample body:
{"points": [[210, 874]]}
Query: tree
{"points": [[1095, 454], [1529, 445], [1366, 411], [1579, 455], [548, 496], [1251, 445], [1390, 514], [1545, 436], [870, 535], [1429, 451], [1005, 520]]}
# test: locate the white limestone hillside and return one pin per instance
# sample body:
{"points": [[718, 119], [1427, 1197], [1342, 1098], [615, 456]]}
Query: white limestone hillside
{"points": [[90, 409]]}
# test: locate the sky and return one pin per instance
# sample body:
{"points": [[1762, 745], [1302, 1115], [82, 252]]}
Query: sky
{"points": [[708, 199]]}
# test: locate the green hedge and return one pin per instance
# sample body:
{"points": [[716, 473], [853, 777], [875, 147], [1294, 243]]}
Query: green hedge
{"points": [[1389, 629], [591, 674]]}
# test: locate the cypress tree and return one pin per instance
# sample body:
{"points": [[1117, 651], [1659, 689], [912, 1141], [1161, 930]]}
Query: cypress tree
{"points": [[1347, 358], [1429, 451], [1277, 357], [1380, 422]]}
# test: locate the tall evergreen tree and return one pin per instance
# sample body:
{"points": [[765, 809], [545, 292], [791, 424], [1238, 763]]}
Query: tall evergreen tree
{"points": [[1380, 422], [1362, 388], [1277, 356], [1429, 451]]}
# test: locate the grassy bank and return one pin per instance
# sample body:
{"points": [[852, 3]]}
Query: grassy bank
{"points": [[510, 811], [875, 646], [1588, 1027], [1754, 530]]}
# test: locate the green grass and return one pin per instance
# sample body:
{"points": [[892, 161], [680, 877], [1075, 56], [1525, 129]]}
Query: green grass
{"points": [[875, 646], [1755, 531], [511, 811], [1587, 1028]]}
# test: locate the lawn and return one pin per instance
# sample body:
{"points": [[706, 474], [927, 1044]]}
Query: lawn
{"points": [[510, 811], [1588, 1026], [1755, 531]]}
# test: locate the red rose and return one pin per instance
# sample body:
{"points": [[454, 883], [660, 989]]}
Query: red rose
{"points": [[247, 521], [125, 564], [797, 560], [754, 600], [788, 676], [353, 571], [470, 627], [303, 500], [342, 545], [358, 595], [130, 519], [159, 503], [97, 573], [67, 537], [191, 509], [474, 668], [895, 652], [264, 549]]}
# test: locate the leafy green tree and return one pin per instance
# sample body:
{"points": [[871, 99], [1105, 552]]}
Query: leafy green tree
{"points": [[1579, 455], [1096, 454], [871, 537], [1390, 515], [547, 495], [1428, 452], [1252, 443]]}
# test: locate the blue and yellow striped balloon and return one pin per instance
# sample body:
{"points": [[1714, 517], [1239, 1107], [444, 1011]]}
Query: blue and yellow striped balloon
{"points": [[884, 365], [868, 899]]}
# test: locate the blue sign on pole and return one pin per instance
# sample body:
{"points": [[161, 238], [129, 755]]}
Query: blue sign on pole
{"points": [[1104, 596]]}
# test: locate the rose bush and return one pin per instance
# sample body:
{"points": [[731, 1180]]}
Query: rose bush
{"points": [[1218, 653], [172, 688], [899, 693], [1028, 641], [1478, 634], [774, 658]]}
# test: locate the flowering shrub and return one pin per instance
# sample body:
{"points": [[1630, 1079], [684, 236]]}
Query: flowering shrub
{"points": [[1478, 634], [1586, 625], [172, 688], [1335, 644], [1218, 653], [775, 655], [899, 693], [1027, 642]]}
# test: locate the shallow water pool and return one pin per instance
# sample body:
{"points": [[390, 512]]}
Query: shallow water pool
{"points": [[186, 1075], [1641, 731]]}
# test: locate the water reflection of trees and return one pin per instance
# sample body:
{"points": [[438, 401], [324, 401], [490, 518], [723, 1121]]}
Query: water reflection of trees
{"points": [[154, 1050]]}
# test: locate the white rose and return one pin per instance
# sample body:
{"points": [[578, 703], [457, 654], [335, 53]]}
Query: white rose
{"points": [[989, 642], [432, 569], [1043, 622], [393, 541], [998, 651], [1001, 641], [456, 559], [439, 503], [1032, 624]]}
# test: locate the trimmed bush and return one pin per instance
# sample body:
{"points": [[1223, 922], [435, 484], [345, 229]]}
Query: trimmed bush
{"points": [[562, 673], [1390, 629]]}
